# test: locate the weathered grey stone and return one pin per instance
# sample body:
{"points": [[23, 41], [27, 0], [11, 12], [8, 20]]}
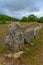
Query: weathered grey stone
{"points": [[37, 30], [29, 35], [15, 36]]}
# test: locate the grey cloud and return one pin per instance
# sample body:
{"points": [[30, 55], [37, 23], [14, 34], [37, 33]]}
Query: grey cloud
{"points": [[17, 4], [18, 8]]}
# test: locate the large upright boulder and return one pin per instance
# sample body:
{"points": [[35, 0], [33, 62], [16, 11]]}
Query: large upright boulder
{"points": [[29, 35], [15, 37]]}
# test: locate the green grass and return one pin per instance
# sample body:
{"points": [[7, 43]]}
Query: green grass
{"points": [[3, 49]]}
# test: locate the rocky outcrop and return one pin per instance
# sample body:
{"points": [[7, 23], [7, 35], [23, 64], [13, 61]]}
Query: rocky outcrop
{"points": [[15, 37]]}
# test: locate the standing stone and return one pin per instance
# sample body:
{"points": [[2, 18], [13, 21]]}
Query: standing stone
{"points": [[15, 37], [29, 35]]}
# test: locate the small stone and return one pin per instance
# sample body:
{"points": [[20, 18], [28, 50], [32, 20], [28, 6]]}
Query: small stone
{"points": [[17, 55], [32, 44], [8, 55]]}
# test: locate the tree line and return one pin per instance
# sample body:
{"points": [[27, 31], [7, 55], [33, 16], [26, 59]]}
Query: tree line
{"points": [[32, 18], [4, 18]]}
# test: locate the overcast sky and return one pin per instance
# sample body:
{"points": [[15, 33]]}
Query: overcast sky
{"points": [[20, 8]]}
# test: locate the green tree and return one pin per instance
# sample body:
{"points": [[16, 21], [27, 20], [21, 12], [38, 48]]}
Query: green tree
{"points": [[32, 18], [41, 20], [7, 18], [24, 19]]}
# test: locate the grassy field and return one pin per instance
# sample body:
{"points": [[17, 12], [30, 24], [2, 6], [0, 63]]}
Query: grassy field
{"points": [[35, 55]]}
